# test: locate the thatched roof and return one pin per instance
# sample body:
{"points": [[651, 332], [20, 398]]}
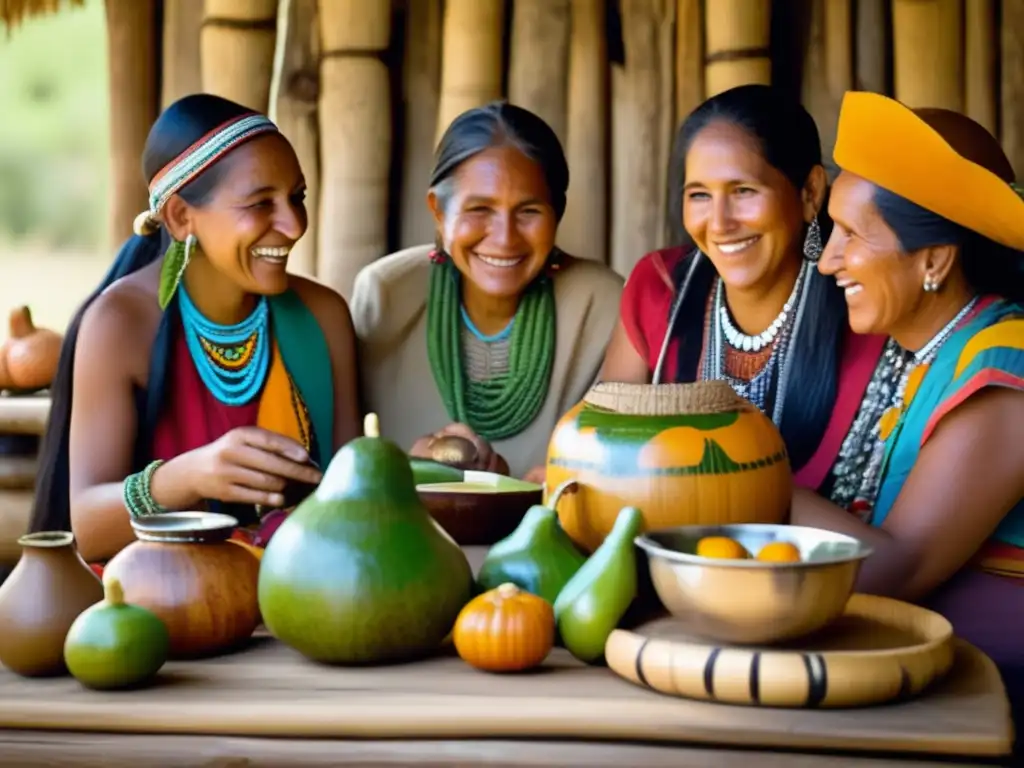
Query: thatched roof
{"points": [[13, 11]]}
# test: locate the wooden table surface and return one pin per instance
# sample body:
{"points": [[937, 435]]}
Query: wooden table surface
{"points": [[268, 702]]}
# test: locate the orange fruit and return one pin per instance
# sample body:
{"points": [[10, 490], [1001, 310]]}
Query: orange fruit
{"points": [[779, 552], [721, 548]]}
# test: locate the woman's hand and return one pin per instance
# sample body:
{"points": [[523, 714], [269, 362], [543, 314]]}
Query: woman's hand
{"points": [[487, 460], [248, 465]]}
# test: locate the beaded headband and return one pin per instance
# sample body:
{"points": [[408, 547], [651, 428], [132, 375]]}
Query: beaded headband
{"points": [[194, 160]]}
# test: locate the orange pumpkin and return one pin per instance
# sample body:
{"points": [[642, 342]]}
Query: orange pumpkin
{"points": [[684, 454], [505, 630], [29, 357]]}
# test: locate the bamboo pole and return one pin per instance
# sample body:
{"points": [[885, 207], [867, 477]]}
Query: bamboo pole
{"points": [[981, 57], [648, 104], [421, 92], [538, 76], [584, 228], [134, 96], [237, 49], [1013, 84], [838, 19], [689, 57], [355, 138], [471, 61], [294, 90], [738, 38], [928, 53], [182, 68], [815, 88], [873, 43]]}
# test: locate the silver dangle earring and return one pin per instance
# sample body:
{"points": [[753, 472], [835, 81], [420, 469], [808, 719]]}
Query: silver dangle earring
{"points": [[812, 242], [931, 285]]}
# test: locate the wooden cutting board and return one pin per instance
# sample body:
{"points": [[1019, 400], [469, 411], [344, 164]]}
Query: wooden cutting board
{"points": [[269, 690]]}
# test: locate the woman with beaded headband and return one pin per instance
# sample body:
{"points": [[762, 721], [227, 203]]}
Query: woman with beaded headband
{"points": [[494, 333], [928, 248], [199, 372], [742, 301]]}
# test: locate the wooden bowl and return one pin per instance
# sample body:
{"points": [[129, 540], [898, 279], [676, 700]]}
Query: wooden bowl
{"points": [[752, 601], [879, 650], [483, 508]]}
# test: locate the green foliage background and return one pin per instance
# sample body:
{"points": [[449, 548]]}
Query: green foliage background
{"points": [[54, 130]]}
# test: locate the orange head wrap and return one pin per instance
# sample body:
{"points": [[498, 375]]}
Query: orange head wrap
{"points": [[892, 146]]}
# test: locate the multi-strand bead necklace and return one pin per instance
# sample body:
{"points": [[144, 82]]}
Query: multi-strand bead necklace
{"points": [[505, 404], [857, 474]]}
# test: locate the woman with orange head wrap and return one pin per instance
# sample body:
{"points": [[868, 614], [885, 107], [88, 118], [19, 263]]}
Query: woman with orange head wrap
{"points": [[927, 245]]}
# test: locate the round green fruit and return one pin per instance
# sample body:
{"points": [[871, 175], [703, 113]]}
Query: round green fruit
{"points": [[360, 573], [115, 645]]}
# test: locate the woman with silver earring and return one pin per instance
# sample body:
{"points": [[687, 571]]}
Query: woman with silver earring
{"points": [[744, 301]]}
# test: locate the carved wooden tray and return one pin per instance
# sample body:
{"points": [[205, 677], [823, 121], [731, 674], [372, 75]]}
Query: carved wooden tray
{"points": [[879, 650]]}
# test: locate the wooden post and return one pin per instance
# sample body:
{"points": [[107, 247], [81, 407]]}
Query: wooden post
{"points": [[421, 93], [182, 68], [738, 36], [237, 49], [689, 57], [928, 53], [355, 138], [873, 43], [471, 61], [538, 76], [134, 89], [648, 95], [1013, 84], [584, 229], [294, 90], [981, 56]]}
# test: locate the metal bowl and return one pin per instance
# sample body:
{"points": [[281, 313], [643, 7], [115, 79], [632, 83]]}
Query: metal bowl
{"points": [[752, 601]]}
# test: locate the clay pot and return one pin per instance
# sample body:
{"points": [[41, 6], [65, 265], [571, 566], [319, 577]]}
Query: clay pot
{"points": [[184, 569], [40, 600]]}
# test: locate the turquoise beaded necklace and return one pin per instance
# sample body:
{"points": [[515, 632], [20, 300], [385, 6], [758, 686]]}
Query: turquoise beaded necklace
{"points": [[505, 405], [232, 360]]}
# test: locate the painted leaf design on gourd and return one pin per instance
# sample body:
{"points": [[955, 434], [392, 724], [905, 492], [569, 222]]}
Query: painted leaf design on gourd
{"points": [[625, 440]]}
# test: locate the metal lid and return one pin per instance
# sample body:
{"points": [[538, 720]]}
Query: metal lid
{"points": [[185, 527]]}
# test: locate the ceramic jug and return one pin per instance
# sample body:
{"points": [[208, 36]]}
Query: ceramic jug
{"points": [[39, 601]]}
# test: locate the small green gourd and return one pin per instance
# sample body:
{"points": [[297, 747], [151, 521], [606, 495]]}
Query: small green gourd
{"points": [[115, 645], [596, 598], [538, 556]]}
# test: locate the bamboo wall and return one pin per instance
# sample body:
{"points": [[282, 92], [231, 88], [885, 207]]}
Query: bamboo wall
{"points": [[364, 88]]}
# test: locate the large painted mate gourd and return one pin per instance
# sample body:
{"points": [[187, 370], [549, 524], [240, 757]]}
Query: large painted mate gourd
{"points": [[360, 573], [684, 454]]}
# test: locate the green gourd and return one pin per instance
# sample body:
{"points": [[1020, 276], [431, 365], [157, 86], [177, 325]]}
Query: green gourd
{"points": [[596, 598], [538, 556], [360, 573], [115, 645], [426, 471]]}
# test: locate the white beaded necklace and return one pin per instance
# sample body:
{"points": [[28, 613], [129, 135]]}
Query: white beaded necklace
{"points": [[739, 340]]}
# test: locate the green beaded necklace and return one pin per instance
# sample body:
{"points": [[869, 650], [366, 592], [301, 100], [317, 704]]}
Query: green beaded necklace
{"points": [[505, 405]]}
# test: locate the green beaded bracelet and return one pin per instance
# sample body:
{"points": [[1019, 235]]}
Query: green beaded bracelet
{"points": [[138, 498]]}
